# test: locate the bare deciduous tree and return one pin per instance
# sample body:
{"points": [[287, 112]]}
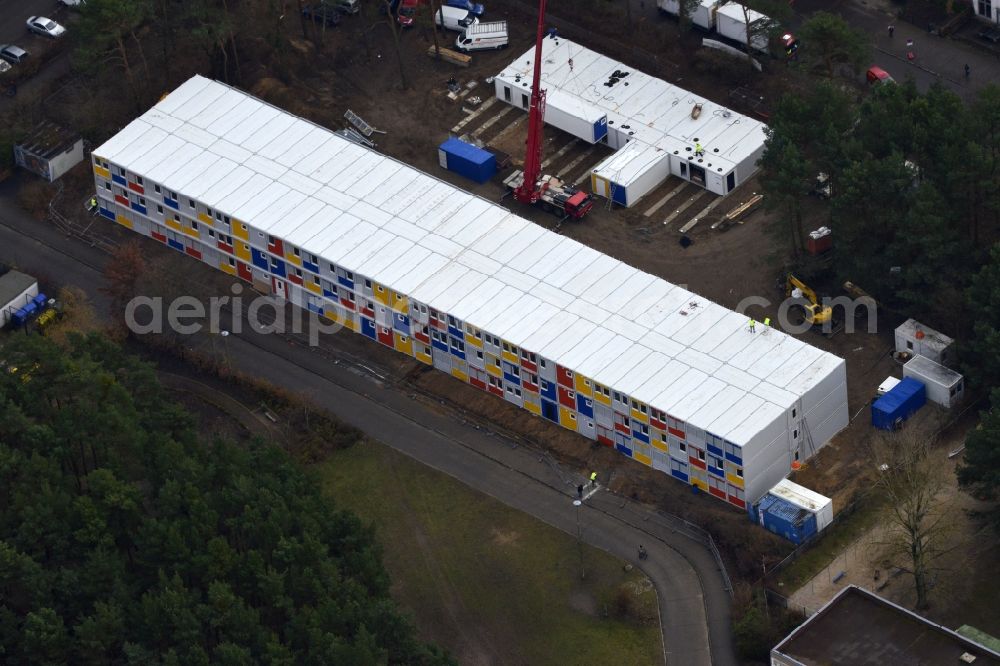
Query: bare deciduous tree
{"points": [[918, 512]]}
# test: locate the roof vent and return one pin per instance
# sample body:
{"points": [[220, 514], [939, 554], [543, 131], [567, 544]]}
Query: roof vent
{"points": [[967, 657]]}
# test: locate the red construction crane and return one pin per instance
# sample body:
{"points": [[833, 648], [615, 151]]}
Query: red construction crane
{"points": [[529, 186]]}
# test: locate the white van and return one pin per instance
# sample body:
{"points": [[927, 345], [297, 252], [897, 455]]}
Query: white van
{"points": [[492, 35], [454, 18]]}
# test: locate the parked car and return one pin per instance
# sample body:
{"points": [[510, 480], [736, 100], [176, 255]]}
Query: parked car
{"points": [[322, 12], [990, 34], [13, 54], [45, 26], [404, 11], [72, 3], [473, 8]]}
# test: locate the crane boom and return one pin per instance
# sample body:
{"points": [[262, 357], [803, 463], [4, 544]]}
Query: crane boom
{"points": [[530, 189]]}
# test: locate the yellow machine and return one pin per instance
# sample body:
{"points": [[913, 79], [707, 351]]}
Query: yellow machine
{"points": [[816, 314]]}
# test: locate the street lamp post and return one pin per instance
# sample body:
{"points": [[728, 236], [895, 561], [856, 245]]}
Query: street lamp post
{"points": [[579, 537]]}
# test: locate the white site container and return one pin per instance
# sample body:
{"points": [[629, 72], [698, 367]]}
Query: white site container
{"points": [[564, 111], [703, 15], [631, 173], [915, 338], [944, 386], [810, 500], [731, 23], [575, 117]]}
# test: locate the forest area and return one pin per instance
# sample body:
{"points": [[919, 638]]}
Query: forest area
{"points": [[127, 538], [915, 204]]}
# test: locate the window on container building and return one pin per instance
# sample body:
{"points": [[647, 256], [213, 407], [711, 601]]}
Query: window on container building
{"points": [[138, 180], [315, 279], [107, 185], [177, 218], [194, 225], [496, 362], [701, 455], [211, 234], [232, 262], [298, 272], [274, 264], [142, 201], [156, 188], [643, 428], [218, 216], [121, 171], [479, 355], [295, 251], [683, 447], [312, 259], [350, 296], [159, 209], [517, 392], [423, 309], [225, 219], [191, 203], [349, 275], [541, 363], [739, 472]]}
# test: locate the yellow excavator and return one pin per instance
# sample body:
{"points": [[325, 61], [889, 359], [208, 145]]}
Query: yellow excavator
{"points": [[816, 314]]}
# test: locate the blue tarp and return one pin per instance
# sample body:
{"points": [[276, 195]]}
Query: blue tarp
{"points": [[901, 402]]}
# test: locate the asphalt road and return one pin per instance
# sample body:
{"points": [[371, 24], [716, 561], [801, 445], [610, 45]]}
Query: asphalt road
{"points": [[693, 602]]}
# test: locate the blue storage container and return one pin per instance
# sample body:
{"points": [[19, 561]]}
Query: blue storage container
{"points": [[467, 160], [39, 300], [899, 404], [785, 519]]}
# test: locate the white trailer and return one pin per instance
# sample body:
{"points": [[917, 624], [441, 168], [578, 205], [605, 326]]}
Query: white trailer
{"points": [[702, 16], [944, 387], [731, 22], [915, 338], [16, 291]]}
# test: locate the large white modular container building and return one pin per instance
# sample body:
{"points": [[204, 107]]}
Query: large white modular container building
{"points": [[637, 109], [459, 283]]}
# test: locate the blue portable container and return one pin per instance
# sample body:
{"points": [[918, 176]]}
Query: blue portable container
{"points": [[19, 317], [899, 404], [467, 160], [785, 519], [39, 300]]}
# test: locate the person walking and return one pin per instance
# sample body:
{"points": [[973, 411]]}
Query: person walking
{"points": [[593, 478], [753, 325], [892, 29], [967, 70], [642, 552]]}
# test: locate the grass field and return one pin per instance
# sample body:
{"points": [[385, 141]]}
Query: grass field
{"points": [[491, 584]]}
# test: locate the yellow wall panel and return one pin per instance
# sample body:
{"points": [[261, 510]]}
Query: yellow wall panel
{"points": [[226, 268], [124, 221], [102, 172], [533, 408], [584, 385], [567, 418], [461, 375], [701, 483], [642, 458], [176, 226], [735, 480], [242, 251], [239, 231], [205, 218], [403, 343]]}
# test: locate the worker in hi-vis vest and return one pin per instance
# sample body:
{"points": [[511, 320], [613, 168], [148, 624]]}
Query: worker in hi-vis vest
{"points": [[593, 478]]}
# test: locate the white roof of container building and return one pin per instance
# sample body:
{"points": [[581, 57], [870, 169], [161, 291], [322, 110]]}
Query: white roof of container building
{"points": [[470, 258], [800, 495], [651, 111]]}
